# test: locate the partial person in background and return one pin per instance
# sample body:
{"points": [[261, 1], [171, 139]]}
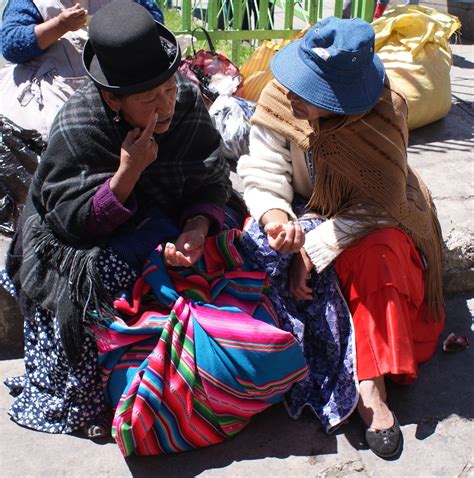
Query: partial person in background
{"points": [[42, 40], [380, 7], [250, 15]]}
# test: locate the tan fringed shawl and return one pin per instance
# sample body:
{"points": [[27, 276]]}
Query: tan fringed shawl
{"points": [[361, 163]]}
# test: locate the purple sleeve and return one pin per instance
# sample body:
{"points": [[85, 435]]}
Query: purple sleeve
{"points": [[214, 213], [107, 212]]}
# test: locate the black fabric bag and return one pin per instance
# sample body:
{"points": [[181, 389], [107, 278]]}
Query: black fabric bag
{"points": [[20, 150]]}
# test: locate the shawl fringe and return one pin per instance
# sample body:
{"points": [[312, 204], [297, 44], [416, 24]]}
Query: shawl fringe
{"points": [[81, 297]]}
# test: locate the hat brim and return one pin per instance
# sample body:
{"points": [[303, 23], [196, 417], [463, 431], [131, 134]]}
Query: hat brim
{"points": [[95, 72], [349, 95]]}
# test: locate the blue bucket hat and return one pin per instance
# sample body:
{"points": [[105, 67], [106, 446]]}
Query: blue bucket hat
{"points": [[333, 66]]}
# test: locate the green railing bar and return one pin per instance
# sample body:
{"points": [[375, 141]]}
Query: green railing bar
{"points": [[237, 25], [263, 22], [187, 15], [367, 10], [363, 9], [300, 12], [289, 12], [338, 8], [355, 8], [244, 35], [212, 11], [313, 11]]}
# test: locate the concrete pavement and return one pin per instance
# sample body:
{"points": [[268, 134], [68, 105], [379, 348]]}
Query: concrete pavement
{"points": [[436, 412]]}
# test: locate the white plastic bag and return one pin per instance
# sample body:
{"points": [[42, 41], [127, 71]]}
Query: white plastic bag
{"points": [[231, 117]]}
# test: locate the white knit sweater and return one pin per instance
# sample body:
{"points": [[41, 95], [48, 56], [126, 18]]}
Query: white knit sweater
{"points": [[272, 171]]}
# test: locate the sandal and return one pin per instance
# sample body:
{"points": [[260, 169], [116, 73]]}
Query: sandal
{"points": [[100, 426], [385, 443]]}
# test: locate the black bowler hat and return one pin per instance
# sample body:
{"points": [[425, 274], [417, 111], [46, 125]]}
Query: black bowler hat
{"points": [[128, 51]]}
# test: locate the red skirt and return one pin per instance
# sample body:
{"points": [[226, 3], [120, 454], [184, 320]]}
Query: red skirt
{"points": [[382, 280]]}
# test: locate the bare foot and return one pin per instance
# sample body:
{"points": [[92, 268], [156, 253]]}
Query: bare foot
{"points": [[372, 406]]}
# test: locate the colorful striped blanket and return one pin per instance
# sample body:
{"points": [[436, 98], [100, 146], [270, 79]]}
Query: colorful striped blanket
{"points": [[194, 353]]}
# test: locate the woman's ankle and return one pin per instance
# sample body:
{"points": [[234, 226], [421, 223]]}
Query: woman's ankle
{"points": [[372, 406]]}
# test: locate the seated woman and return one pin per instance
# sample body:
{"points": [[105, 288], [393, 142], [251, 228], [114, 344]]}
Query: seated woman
{"points": [[331, 129], [43, 41], [134, 162]]}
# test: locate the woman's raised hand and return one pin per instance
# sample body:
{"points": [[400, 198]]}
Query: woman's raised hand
{"points": [[49, 32], [139, 150], [73, 18], [285, 237]]}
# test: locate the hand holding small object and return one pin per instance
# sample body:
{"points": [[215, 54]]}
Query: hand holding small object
{"points": [[73, 18], [49, 32], [285, 237]]}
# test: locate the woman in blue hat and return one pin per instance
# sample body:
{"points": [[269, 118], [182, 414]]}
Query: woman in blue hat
{"points": [[344, 227]]}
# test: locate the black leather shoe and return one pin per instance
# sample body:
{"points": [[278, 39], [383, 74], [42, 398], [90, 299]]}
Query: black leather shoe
{"points": [[385, 443]]}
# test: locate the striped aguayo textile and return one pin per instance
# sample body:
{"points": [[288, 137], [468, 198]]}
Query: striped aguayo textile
{"points": [[199, 354]]}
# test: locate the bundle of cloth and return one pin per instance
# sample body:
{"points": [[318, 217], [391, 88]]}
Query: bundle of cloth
{"points": [[194, 353]]}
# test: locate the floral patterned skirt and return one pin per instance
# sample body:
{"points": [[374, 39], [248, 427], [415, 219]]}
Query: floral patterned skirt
{"points": [[54, 396]]}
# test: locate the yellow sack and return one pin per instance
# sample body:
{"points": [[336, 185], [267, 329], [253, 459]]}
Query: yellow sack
{"points": [[256, 70], [412, 42]]}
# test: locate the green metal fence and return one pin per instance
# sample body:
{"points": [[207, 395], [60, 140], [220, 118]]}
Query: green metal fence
{"points": [[253, 20]]}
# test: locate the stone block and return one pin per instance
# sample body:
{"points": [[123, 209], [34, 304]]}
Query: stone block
{"points": [[458, 261], [464, 10]]}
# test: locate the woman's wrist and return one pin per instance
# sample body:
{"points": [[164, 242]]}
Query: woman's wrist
{"points": [[274, 215], [198, 222], [49, 32], [122, 184]]}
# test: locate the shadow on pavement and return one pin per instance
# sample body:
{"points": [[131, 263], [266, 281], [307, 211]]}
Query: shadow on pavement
{"points": [[449, 135], [440, 391], [462, 62], [11, 353], [442, 388], [271, 434]]}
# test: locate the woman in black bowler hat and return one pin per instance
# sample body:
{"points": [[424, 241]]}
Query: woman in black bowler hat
{"points": [[42, 42], [132, 161]]}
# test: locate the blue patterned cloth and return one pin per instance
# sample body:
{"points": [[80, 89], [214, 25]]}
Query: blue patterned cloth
{"points": [[53, 396], [323, 328]]}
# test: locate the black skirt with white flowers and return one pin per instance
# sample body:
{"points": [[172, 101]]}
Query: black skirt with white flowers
{"points": [[54, 396]]}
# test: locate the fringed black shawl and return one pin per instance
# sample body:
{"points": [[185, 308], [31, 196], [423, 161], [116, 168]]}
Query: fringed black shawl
{"points": [[51, 260]]}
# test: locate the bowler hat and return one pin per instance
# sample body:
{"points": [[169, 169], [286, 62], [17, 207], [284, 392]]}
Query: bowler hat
{"points": [[333, 66], [128, 51]]}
